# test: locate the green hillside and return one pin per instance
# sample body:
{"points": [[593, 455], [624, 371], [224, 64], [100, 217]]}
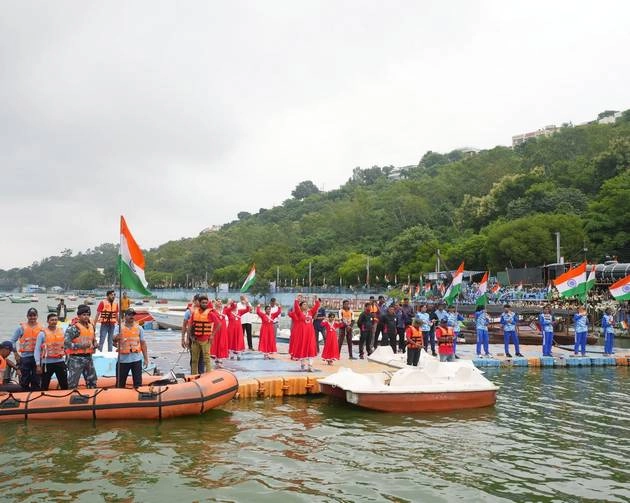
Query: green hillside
{"points": [[499, 208]]}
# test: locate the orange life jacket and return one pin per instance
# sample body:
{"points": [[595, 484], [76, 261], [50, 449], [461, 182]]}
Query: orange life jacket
{"points": [[346, 315], [202, 327], [86, 336], [28, 339], [414, 337], [445, 336], [109, 312], [129, 339], [3, 364], [53, 343]]}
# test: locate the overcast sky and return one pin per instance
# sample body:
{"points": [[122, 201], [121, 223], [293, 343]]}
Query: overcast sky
{"points": [[181, 114]]}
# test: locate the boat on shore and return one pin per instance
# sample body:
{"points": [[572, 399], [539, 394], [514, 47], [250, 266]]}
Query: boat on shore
{"points": [[162, 399], [167, 317], [433, 386], [19, 300]]}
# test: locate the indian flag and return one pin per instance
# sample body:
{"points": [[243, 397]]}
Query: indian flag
{"points": [[249, 280], [549, 294], [496, 287], [571, 283], [455, 287], [621, 289], [131, 262], [482, 297]]}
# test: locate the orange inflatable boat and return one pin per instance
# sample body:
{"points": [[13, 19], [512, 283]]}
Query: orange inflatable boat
{"points": [[159, 400]]}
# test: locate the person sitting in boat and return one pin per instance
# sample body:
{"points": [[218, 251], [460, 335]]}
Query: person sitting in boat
{"points": [[80, 344], [413, 336], [445, 335], [132, 350], [509, 321], [6, 348], [546, 323], [481, 324], [25, 336], [581, 331], [50, 354], [608, 326]]}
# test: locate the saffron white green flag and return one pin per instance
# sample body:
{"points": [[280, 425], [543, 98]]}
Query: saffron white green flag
{"points": [[482, 296], [590, 283], [452, 292], [571, 283], [620, 290], [249, 280], [131, 262]]}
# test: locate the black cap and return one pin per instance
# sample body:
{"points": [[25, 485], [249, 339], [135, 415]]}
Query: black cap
{"points": [[130, 312], [82, 309], [31, 310], [6, 345], [443, 321]]}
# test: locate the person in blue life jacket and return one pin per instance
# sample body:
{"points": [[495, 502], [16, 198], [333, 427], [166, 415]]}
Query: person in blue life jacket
{"points": [[481, 324], [580, 319], [546, 323], [608, 327], [509, 322]]}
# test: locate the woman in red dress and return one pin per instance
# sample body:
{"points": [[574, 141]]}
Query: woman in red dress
{"points": [[236, 340], [331, 346], [305, 347], [267, 337], [292, 335], [219, 350]]}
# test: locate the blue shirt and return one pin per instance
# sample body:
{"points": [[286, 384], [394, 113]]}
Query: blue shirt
{"points": [[453, 321], [19, 332], [581, 322], [546, 322], [41, 337], [481, 320], [423, 318], [441, 314], [608, 324], [131, 357], [509, 321]]}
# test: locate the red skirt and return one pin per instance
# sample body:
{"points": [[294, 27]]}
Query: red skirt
{"points": [[267, 339], [305, 346], [236, 340], [219, 347], [331, 346]]}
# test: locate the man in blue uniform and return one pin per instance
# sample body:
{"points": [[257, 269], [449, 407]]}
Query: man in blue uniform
{"points": [[509, 322], [481, 323]]}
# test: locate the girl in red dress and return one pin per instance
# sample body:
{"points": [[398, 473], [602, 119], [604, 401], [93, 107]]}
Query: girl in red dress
{"points": [[331, 346], [267, 338], [236, 340], [219, 350], [305, 347]]}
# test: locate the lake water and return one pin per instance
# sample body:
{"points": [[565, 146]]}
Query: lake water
{"points": [[554, 435]]}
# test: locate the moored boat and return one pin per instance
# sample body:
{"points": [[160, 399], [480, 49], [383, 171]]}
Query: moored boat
{"points": [[434, 386], [20, 300], [162, 400], [167, 318]]}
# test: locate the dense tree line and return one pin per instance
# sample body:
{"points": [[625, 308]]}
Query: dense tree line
{"points": [[499, 208]]}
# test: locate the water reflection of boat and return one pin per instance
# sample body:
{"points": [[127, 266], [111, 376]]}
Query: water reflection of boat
{"points": [[431, 387]]}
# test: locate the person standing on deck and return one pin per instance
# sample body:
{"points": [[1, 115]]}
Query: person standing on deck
{"points": [[581, 331], [445, 336], [244, 307], [125, 303], [388, 321], [320, 316], [346, 317], [433, 317], [425, 324], [413, 336], [304, 332], [400, 328], [80, 344], [132, 351], [267, 338], [273, 303], [219, 347], [377, 327], [365, 329], [608, 327], [545, 322], [50, 354], [331, 346], [26, 336], [481, 324], [509, 322], [107, 315], [454, 319], [190, 309], [203, 323]]}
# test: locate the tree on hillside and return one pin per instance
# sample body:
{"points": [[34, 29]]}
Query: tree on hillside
{"points": [[304, 189]]}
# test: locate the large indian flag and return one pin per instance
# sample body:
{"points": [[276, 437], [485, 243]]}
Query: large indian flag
{"points": [[455, 287], [572, 282], [131, 262], [482, 296], [621, 289], [249, 280], [590, 283]]}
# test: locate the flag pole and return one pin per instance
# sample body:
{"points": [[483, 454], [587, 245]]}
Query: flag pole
{"points": [[119, 300]]}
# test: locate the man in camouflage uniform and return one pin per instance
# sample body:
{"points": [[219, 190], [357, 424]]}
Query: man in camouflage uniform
{"points": [[80, 343]]}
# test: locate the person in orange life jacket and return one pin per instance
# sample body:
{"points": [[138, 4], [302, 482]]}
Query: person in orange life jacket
{"points": [[125, 303], [445, 336], [203, 323], [185, 342], [107, 314], [346, 317], [132, 350], [50, 354], [26, 334], [80, 344], [6, 348], [388, 322], [413, 336], [365, 328]]}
